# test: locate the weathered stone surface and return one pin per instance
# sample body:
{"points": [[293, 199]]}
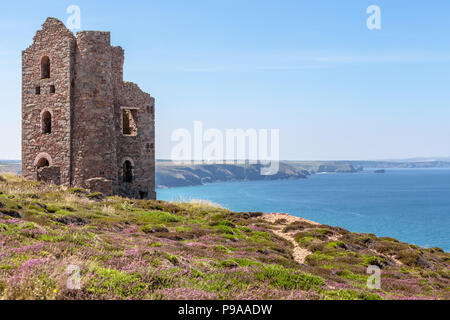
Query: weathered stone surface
{"points": [[77, 82], [11, 213], [49, 174], [73, 220]]}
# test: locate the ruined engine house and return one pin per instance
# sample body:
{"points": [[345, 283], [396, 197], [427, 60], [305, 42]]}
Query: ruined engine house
{"points": [[82, 125]]}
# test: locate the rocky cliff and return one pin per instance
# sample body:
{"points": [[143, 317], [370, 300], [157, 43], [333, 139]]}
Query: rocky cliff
{"points": [[169, 174]]}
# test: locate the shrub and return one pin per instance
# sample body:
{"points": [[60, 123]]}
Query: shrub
{"points": [[52, 208], [228, 264], [224, 229], [436, 250], [389, 239], [346, 274], [163, 216], [335, 245], [289, 279], [172, 259], [325, 232], [227, 223], [242, 262], [352, 295], [298, 225], [153, 229], [126, 206], [302, 235], [373, 260], [156, 244], [97, 196], [78, 191], [223, 249], [119, 283], [408, 257]]}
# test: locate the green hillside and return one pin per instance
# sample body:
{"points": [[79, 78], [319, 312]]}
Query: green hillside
{"points": [[136, 249]]}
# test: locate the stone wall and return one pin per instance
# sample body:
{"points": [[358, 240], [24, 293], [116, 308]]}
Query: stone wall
{"points": [[57, 43], [140, 148], [94, 146], [49, 174]]}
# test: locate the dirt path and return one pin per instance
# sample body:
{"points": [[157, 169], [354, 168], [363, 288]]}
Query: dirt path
{"points": [[281, 220], [299, 253]]}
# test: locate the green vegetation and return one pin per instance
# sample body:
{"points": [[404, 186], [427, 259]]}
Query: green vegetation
{"points": [[137, 249]]}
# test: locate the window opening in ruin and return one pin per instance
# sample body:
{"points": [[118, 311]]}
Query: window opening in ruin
{"points": [[129, 122], [52, 89], [127, 172], [38, 90], [46, 123], [45, 67]]}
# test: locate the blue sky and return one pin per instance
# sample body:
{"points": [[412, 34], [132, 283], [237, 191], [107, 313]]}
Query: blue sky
{"points": [[312, 69]]}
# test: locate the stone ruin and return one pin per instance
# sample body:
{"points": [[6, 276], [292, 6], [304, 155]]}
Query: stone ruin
{"points": [[82, 125]]}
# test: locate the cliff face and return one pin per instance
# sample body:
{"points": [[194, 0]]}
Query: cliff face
{"points": [[140, 249], [172, 175]]}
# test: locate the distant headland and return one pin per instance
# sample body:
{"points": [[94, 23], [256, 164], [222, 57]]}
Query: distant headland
{"points": [[170, 174]]}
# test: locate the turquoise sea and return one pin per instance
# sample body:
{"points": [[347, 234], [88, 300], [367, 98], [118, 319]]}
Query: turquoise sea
{"points": [[412, 205]]}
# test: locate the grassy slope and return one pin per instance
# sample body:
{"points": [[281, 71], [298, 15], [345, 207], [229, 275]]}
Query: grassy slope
{"points": [[130, 249]]}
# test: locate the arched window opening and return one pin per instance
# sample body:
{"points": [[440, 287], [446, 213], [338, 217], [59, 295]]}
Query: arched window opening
{"points": [[45, 67], [46, 123], [127, 171], [43, 162]]}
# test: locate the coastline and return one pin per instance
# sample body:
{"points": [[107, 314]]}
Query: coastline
{"points": [[354, 202], [171, 175]]}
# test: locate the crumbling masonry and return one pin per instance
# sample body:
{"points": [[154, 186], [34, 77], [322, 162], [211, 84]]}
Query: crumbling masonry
{"points": [[82, 125]]}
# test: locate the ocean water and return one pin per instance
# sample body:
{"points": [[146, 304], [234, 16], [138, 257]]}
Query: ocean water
{"points": [[412, 205]]}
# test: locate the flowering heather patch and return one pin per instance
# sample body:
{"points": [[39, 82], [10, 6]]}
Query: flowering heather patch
{"points": [[62, 244]]}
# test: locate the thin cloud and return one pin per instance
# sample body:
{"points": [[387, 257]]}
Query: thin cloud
{"points": [[284, 61], [386, 58]]}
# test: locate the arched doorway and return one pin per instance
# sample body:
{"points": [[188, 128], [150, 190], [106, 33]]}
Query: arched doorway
{"points": [[45, 170], [41, 166]]}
